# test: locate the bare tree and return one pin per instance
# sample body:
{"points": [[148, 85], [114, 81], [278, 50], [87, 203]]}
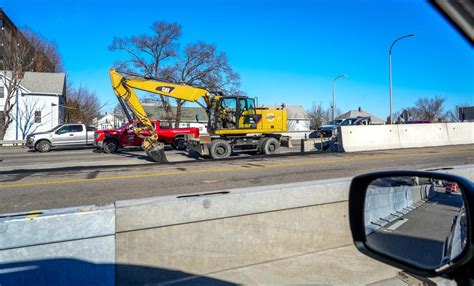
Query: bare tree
{"points": [[118, 110], [82, 105], [45, 53], [17, 58], [147, 53], [319, 116], [425, 108], [158, 56], [31, 116], [429, 108], [202, 65], [404, 115]]}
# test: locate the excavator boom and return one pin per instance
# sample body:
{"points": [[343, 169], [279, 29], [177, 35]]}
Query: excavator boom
{"points": [[178, 91]]}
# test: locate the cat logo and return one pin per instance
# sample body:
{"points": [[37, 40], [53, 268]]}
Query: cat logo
{"points": [[270, 117], [167, 89]]}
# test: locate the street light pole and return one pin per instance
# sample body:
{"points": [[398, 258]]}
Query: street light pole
{"points": [[390, 69], [334, 95]]}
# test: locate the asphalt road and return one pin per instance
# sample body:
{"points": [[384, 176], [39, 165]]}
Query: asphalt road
{"points": [[421, 236], [15, 159], [32, 181]]}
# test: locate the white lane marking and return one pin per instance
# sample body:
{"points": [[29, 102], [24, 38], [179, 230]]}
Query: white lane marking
{"points": [[397, 224]]}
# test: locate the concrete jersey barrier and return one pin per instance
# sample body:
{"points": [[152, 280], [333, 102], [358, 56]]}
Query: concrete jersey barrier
{"points": [[423, 135], [73, 246], [168, 239], [369, 137], [384, 137], [383, 205], [461, 133]]}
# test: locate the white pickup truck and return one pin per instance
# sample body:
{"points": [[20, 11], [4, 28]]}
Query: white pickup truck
{"points": [[65, 135]]}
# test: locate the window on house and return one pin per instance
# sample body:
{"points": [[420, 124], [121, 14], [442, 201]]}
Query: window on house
{"points": [[37, 116], [2, 91]]}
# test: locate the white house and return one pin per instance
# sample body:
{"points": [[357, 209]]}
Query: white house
{"points": [[109, 121], [41, 98]]}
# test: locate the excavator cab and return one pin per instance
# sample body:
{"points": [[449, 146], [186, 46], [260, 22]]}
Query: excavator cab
{"points": [[235, 112]]}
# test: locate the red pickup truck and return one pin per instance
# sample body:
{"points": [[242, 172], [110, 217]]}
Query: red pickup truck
{"points": [[110, 140]]}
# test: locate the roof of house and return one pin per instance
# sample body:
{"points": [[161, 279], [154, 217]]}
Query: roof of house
{"points": [[362, 113], [295, 112], [188, 114], [41, 82]]}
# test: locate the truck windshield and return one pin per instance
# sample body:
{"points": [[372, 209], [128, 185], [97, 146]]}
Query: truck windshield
{"points": [[348, 121], [55, 128], [123, 126]]}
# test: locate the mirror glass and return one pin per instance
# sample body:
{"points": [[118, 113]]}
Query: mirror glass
{"points": [[419, 220]]}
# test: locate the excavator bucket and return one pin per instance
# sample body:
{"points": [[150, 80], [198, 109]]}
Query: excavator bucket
{"points": [[156, 152]]}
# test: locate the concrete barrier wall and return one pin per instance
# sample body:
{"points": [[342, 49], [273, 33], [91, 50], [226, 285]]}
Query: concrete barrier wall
{"points": [[461, 133], [423, 135], [369, 137], [383, 137], [176, 237], [73, 246], [213, 233], [383, 202], [386, 204]]}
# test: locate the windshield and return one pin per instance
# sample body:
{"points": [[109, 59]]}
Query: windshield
{"points": [[348, 121], [123, 126], [334, 122], [55, 128]]}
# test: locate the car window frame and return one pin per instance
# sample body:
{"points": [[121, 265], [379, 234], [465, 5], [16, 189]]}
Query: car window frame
{"points": [[61, 128]]}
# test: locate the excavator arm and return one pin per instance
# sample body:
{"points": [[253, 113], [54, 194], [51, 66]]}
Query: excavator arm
{"points": [[124, 90]]}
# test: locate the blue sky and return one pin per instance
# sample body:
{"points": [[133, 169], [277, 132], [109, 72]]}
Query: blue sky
{"points": [[285, 51]]}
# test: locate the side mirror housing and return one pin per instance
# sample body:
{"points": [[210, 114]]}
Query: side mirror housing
{"points": [[417, 221]]}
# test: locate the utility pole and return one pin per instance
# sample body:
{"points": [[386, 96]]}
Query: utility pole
{"points": [[390, 69], [334, 95]]}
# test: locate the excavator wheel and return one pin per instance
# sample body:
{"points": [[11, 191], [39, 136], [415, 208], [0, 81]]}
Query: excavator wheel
{"points": [[157, 153], [219, 149]]}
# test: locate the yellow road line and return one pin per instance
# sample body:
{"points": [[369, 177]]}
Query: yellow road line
{"points": [[297, 164]]}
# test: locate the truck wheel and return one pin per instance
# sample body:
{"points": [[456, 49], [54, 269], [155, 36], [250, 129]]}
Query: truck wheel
{"points": [[270, 145], [179, 144], [110, 146], [219, 149], [43, 146]]}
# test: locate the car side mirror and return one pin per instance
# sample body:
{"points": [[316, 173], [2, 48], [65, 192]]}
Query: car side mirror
{"points": [[418, 221]]}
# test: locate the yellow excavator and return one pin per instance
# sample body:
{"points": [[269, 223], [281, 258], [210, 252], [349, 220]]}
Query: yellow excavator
{"points": [[235, 123]]}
